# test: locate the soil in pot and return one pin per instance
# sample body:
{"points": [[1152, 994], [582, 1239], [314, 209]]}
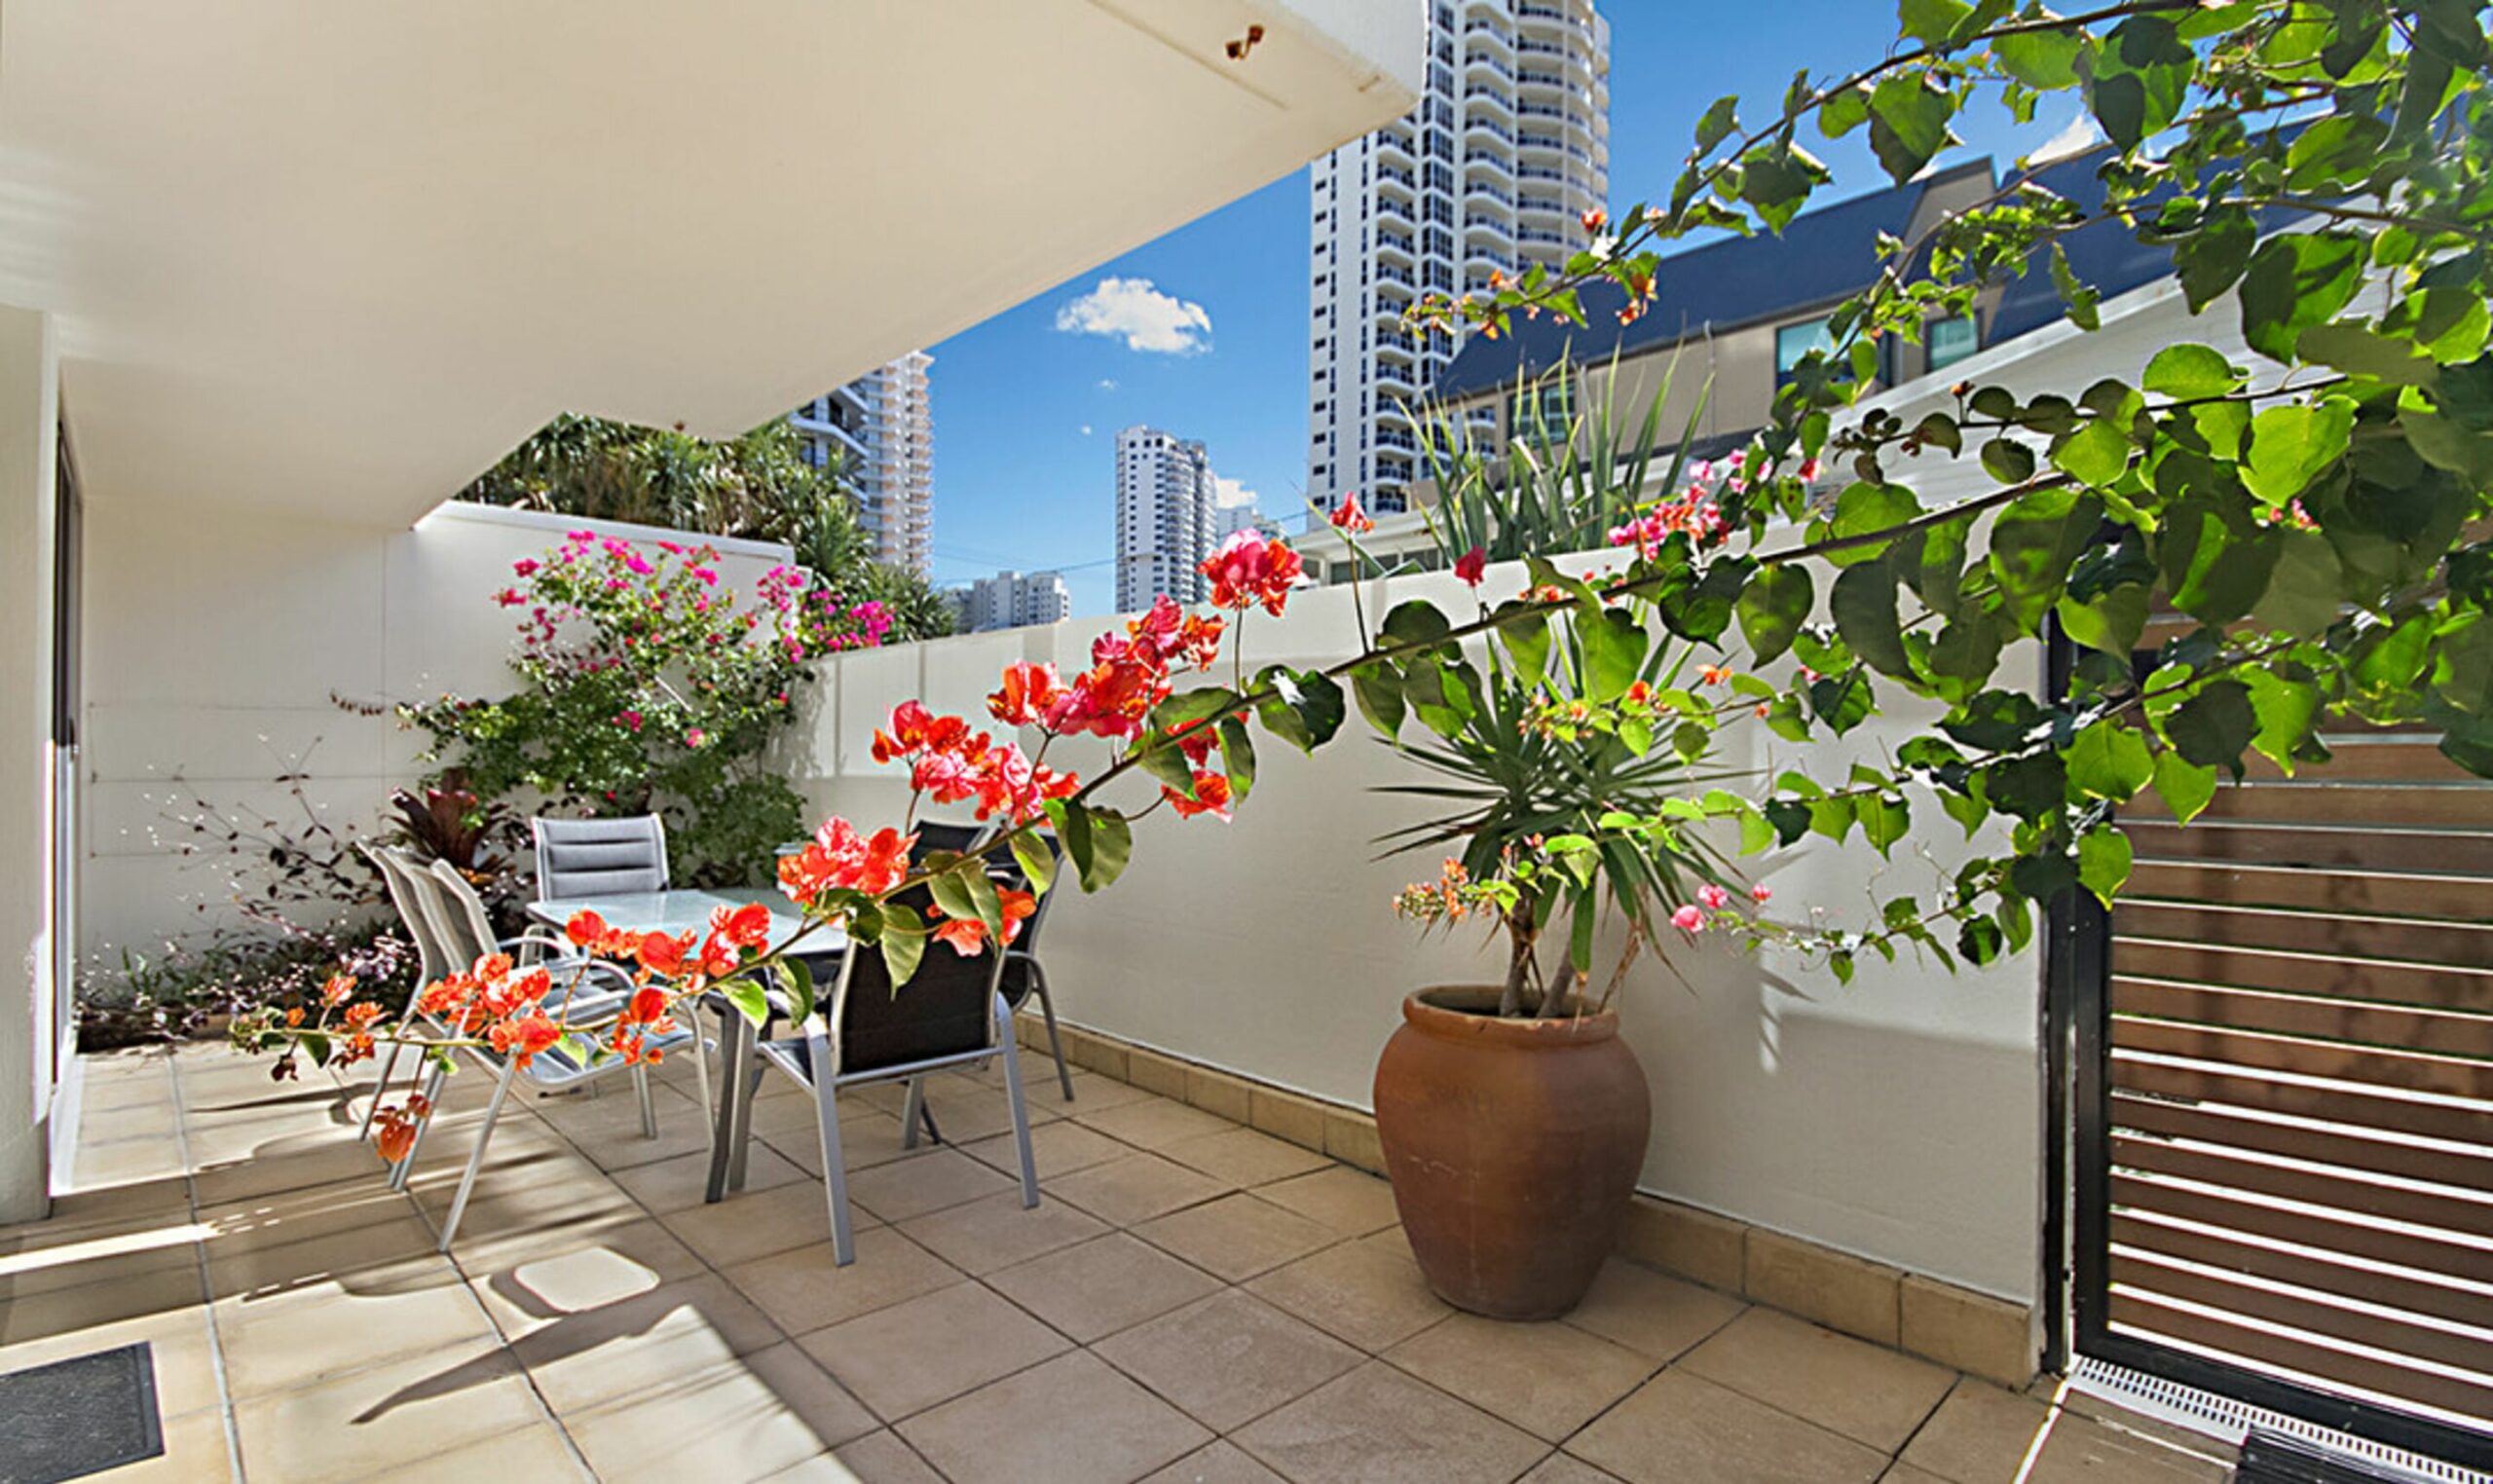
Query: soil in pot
{"points": [[1514, 1147]]}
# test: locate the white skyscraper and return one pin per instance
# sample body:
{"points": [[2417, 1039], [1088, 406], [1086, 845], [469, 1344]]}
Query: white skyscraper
{"points": [[883, 426], [1010, 601], [1165, 517], [1493, 171]]}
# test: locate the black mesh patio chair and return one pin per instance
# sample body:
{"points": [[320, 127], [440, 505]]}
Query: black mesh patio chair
{"points": [[869, 1030]]}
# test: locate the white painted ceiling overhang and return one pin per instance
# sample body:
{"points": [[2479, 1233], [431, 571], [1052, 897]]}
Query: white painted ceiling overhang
{"points": [[339, 255]]}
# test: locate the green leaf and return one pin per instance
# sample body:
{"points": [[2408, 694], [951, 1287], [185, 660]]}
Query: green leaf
{"points": [[1756, 832], [2212, 259], [1719, 124], [1237, 757], [2104, 862], [2008, 461], [2045, 60], [2211, 727], [2096, 453], [1416, 621], [2136, 78], [2033, 544], [2358, 351], [904, 946], [1164, 760], [1305, 708], [796, 982], [1111, 848], [2110, 622], [1379, 689], [1935, 22], [2184, 787], [1909, 115], [1526, 640], [1864, 604], [2286, 709], [1193, 706], [1038, 862], [2295, 281], [2305, 592], [1865, 509], [2078, 297], [1614, 646], [1843, 112], [2110, 760], [2290, 445], [1772, 607], [2187, 370], [746, 995]]}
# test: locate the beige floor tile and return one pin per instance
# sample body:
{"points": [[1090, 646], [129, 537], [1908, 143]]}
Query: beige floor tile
{"points": [[1238, 1236], [106, 1208], [747, 1419], [967, 1113], [385, 1417], [995, 1232], [1152, 1121], [1905, 1473], [1224, 1463], [1678, 1427], [680, 1133], [275, 1344], [1347, 1199], [1103, 1285], [196, 1450], [639, 1243], [125, 1162], [931, 1180], [291, 1162], [1548, 1379], [535, 1454], [300, 1216], [1981, 1434], [1071, 1421], [1229, 1358], [750, 1224], [1560, 1468], [1091, 1093], [1361, 1292], [180, 1340], [589, 1356], [908, 1357], [804, 1290], [683, 1182], [1378, 1425], [877, 1458], [93, 1306], [1058, 1149], [868, 1138], [1243, 1156], [1869, 1393], [1137, 1188], [103, 1257], [1651, 1314], [341, 1256]]}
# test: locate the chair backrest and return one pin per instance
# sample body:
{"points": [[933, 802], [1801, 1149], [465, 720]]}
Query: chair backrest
{"points": [[934, 834], [598, 857], [946, 1010], [406, 895], [459, 915]]}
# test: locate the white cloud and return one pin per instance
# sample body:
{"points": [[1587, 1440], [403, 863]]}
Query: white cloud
{"points": [[2077, 135], [1106, 383], [1086, 429], [1227, 492], [1138, 313]]}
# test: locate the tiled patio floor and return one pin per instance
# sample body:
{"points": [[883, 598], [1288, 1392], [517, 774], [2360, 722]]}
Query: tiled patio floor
{"points": [[1192, 1301]]}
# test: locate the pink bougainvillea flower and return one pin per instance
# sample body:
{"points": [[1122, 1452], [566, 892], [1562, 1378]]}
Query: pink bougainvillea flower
{"points": [[524, 567], [1472, 564], [1689, 919], [1347, 516], [695, 738], [1761, 893], [1713, 896], [1252, 568], [1808, 472]]}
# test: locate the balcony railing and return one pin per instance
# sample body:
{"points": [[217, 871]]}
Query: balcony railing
{"points": [[1393, 275], [1541, 237], [1501, 197], [1494, 131], [1479, 59], [1481, 157], [1496, 96]]}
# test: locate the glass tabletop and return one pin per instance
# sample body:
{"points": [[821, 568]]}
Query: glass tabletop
{"points": [[687, 911]]}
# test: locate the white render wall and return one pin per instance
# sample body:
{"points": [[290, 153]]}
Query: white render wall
{"points": [[214, 645], [29, 409], [1898, 1118]]}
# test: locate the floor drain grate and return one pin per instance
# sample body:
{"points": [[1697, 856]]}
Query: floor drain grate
{"points": [[2235, 1422], [77, 1417]]}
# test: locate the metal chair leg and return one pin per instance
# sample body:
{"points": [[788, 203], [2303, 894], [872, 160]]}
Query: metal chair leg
{"points": [[701, 1065], [1055, 1043], [912, 1113], [649, 1109], [732, 1129], [432, 1103], [835, 1171], [1020, 1114], [476, 1159]]}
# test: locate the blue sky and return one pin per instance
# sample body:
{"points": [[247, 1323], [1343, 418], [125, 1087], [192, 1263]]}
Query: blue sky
{"points": [[1026, 412]]}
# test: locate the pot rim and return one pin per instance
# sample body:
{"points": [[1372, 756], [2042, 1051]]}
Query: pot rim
{"points": [[1426, 1011]]}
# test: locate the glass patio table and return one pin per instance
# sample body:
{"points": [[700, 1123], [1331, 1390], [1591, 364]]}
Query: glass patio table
{"points": [[688, 911]]}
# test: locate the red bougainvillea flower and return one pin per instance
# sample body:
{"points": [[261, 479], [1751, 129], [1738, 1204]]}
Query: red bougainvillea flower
{"points": [[337, 989], [394, 1127], [968, 934], [913, 729], [1007, 783], [744, 927], [662, 954], [1471, 565], [1761, 893], [1196, 739], [1252, 568], [838, 859], [1030, 690], [1347, 516], [1211, 797], [521, 1038]]}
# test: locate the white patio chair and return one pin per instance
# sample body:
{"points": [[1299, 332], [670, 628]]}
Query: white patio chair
{"points": [[598, 857]]}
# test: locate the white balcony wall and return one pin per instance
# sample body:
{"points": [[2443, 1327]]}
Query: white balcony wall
{"points": [[1898, 1118], [217, 653]]}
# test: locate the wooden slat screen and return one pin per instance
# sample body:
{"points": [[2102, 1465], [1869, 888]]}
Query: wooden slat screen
{"points": [[2302, 1079]]}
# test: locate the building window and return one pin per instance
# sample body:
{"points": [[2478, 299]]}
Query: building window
{"points": [[1794, 342], [1549, 406], [1951, 339]]}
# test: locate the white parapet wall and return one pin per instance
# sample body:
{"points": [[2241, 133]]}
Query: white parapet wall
{"points": [[218, 650], [1898, 1118]]}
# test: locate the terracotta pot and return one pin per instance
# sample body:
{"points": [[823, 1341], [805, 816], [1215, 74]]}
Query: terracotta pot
{"points": [[1514, 1147]]}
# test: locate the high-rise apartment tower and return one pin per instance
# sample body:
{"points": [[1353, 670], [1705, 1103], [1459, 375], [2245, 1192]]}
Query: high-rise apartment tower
{"points": [[882, 428], [1165, 517]]}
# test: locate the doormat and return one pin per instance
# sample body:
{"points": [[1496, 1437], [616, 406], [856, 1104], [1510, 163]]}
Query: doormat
{"points": [[77, 1417]]}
